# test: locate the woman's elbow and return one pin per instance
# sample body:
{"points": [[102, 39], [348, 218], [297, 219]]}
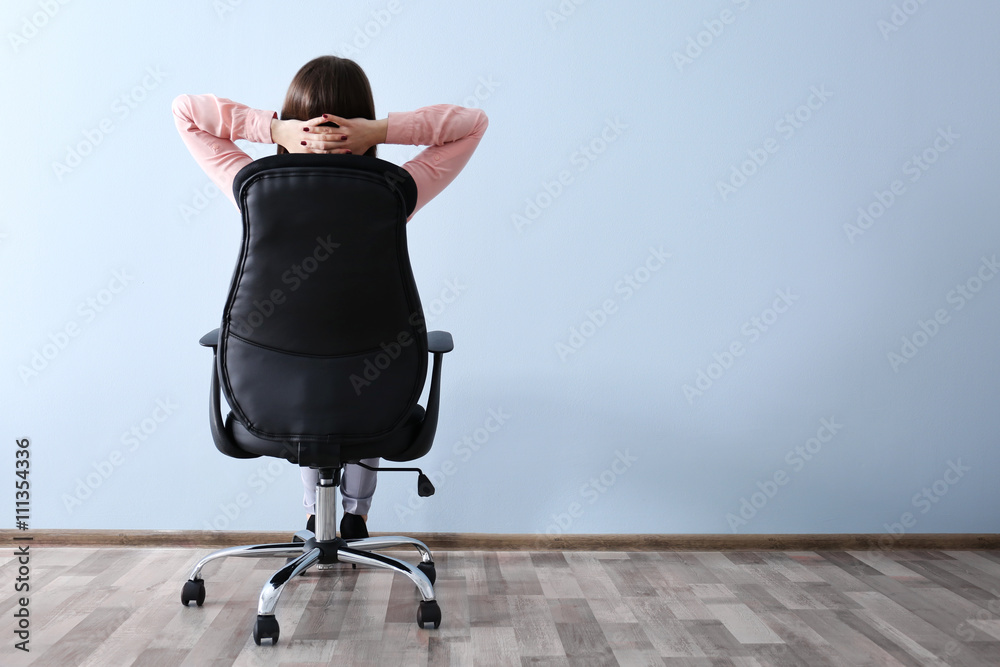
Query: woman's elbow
{"points": [[482, 122], [181, 107]]}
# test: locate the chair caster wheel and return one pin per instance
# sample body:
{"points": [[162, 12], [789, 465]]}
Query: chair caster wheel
{"points": [[429, 612], [194, 589], [428, 569], [266, 627]]}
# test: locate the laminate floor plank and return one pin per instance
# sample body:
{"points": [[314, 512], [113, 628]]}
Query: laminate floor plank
{"points": [[494, 646], [586, 642], [793, 566], [518, 572], [687, 603], [160, 657], [746, 626], [856, 620], [87, 636], [978, 560], [884, 563], [948, 612], [669, 636], [758, 597], [854, 649], [559, 582], [975, 578], [628, 579], [591, 576], [807, 644], [120, 606], [960, 581], [617, 610], [534, 630], [786, 592], [443, 652], [132, 637]]}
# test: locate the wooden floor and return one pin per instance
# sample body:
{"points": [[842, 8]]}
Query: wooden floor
{"points": [[116, 607]]}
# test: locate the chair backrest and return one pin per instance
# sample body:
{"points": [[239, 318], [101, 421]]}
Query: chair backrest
{"points": [[323, 336]]}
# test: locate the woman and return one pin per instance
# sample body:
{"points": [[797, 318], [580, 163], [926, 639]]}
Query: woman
{"points": [[329, 108]]}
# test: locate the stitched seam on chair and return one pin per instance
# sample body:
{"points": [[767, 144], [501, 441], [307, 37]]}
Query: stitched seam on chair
{"points": [[305, 354], [402, 248]]}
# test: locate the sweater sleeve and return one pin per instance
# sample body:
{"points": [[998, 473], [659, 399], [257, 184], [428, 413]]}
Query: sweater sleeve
{"points": [[209, 125], [451, 133]]}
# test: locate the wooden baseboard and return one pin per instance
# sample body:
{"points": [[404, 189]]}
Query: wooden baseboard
{"points": [[529, 542]]}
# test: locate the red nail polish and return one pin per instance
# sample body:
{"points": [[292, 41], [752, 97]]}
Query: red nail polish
{"points": [[348, 151], [305, 129], [325, 116], [303, 143]]}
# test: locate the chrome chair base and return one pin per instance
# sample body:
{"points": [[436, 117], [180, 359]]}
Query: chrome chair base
{"points": [[306, 551]]}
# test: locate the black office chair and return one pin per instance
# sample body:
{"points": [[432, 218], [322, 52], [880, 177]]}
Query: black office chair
{"points": [[322, 353]]}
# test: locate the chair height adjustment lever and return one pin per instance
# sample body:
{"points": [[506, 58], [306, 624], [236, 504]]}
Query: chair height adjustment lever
{"points": [[424, 486]]}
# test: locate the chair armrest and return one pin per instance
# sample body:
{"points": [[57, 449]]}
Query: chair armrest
{"points": [[220, 434], [439, 341], [211, 339]]}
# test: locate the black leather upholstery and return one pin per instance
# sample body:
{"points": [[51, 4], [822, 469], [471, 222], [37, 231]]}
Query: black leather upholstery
{"points": [[322, 353], [388, 447]]}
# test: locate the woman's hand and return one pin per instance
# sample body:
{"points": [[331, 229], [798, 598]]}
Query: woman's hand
{"points": [[300, 136], [353, 136]]}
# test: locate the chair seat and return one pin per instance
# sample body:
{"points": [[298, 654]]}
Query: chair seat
{"points": [[395, 446]]}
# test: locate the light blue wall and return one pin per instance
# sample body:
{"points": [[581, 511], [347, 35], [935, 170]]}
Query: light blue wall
{"points": [[623, 407]]}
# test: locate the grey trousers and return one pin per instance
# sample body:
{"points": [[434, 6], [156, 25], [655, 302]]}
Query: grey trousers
{"points": [[357, 486]]}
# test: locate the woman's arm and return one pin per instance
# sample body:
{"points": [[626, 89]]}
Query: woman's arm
{"points": [[451, 133], [209, 125]]}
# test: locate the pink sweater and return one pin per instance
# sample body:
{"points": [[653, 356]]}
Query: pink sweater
{"points": [[209, 125]]}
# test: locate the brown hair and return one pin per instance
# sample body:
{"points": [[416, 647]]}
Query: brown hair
{"points": [[329, 84]]}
